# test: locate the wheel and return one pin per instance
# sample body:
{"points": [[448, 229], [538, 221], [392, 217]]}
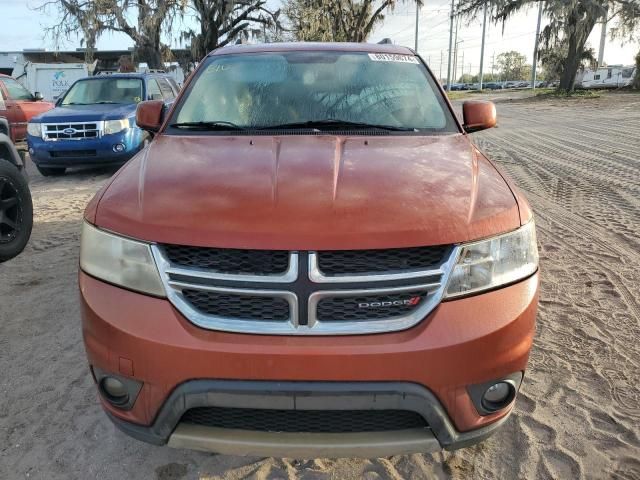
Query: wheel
{"points": [[50, 171], [16, 211]]}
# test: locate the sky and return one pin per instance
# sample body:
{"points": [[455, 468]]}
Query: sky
{"points": [[23, 27]]}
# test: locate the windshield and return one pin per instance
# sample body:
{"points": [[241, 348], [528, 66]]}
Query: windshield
{"points": [[278, 89], [16, 91], [104, 90]]}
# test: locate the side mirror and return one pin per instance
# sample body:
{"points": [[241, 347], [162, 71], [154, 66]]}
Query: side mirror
{"points": [[38, 96], [478, 115], [149, 115]]}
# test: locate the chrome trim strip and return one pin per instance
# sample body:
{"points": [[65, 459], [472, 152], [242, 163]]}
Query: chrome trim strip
{"points": [[316, 275], [214, 322]]}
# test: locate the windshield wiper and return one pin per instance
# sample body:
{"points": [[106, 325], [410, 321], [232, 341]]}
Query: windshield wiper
{"points": [[333, 123], [213, 125], [75, 103], [105, 102]]}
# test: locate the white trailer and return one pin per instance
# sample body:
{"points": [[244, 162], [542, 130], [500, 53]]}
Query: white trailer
{"points": [[50, 79], [613, 76]]}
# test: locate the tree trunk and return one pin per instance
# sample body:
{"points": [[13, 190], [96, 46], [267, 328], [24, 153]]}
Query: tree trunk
{"points": [[149, 54], [580, 29], [636, 79], [571, 65], [90, 50]]}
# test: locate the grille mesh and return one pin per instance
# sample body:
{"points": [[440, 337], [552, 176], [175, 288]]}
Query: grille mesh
{"points": [[238, 306], [342, 262], [348, 308], [230, 260], [312, 421]]}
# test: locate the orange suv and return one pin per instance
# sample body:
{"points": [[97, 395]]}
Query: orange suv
{"points": [[311, 258]]}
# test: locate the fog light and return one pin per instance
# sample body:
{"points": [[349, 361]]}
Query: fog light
{"points": [[498, 396], [114, 390], [119, 147]]}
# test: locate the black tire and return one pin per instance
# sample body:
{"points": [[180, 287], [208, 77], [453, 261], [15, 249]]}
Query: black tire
{"points": [[16, 211], [51, 171]]}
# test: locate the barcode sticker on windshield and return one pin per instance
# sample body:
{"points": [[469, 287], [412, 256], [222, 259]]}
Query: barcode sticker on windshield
{"points": [[392, 57]]}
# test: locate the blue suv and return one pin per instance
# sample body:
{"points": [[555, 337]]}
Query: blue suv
{"points": [[93, 123]]}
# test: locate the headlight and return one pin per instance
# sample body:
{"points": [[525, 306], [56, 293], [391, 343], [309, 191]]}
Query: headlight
{"points": [[34, 129], [115, 126], [493, 262], [118, 260]]}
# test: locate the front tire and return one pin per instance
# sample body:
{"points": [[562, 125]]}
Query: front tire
{"points": [[16, 211], [51, 171]]}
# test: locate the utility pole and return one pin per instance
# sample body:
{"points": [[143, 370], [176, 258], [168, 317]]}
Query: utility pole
{"points": [[440, 77], [535, 48], [417, 19], [484, 31], [450, 48], [603, 37], [455, 52], [462, 63]]}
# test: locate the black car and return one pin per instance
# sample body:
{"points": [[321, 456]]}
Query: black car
{"points": [[16, 209]]}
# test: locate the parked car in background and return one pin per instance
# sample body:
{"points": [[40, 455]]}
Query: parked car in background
{"points": [[310, 259], [93, 123], [17, 107], [16, 209], [492, 86]]}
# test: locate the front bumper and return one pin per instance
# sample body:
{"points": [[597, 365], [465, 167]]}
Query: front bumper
{"points": [[167, 427], [463, 342], [86, 152]]}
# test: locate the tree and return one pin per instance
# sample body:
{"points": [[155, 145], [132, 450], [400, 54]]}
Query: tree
{"points": [[570, 21], [93, 17], [335, 20], [146, 34], [513, 65], [84, 15], [221, 21], [552, 59]]}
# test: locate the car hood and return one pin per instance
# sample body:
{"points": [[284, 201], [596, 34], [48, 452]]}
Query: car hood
{"points": [[87, 113], [31, 109], [308, 192]]}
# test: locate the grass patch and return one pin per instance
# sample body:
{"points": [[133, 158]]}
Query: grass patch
{"points": [[551, 93], [457, 95]]}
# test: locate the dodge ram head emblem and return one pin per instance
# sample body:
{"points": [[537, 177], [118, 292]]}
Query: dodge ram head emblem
{"points": [[413, 301]]}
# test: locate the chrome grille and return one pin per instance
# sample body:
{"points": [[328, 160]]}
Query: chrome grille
{"points": [[71, 131], [286, 293]]}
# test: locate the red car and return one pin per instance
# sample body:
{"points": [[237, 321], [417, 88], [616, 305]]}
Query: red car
{"points": [[311, 258], [18, 106]]}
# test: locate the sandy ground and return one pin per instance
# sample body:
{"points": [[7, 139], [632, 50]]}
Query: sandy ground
{"points": [[578, 414]]}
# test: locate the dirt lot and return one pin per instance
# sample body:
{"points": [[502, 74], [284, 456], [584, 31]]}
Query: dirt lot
{"points": [[579, 411]]}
